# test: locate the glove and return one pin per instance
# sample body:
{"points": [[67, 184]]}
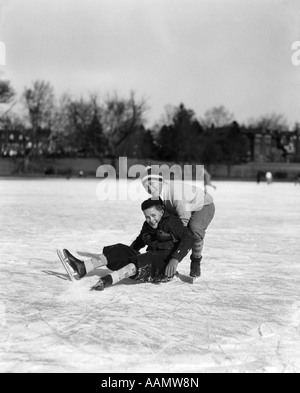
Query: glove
{"points": [[171, 269], [147, 238], [162, 236]]}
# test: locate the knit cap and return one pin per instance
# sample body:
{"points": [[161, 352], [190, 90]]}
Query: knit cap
{"points": [[151, 203]]}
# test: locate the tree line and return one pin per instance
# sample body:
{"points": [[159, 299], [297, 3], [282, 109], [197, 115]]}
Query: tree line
{"points": [[116, 126]]}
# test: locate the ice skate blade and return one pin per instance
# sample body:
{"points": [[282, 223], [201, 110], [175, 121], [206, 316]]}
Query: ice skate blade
{"points": [[97, 288], [186, 279], [72, 276]]}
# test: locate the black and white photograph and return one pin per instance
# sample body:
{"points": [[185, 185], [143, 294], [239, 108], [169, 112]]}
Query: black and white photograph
{"points": [[149, 189]]}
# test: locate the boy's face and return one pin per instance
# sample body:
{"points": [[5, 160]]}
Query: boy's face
{"points": [[153, 216]]}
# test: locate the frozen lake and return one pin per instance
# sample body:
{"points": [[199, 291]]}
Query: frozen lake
{"points": [[243, 315]]}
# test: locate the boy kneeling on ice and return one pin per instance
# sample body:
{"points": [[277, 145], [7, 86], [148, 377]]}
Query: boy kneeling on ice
{"points": [[168, 241]]}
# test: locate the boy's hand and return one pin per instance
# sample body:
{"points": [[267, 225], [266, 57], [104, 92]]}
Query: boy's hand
{"points": [[171, 269]]}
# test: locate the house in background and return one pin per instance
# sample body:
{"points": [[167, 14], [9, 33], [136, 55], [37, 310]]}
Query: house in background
{"points": [[17, 143]]}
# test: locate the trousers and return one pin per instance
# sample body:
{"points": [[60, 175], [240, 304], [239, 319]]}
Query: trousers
{"points": [[150, 266], [200, 221]]}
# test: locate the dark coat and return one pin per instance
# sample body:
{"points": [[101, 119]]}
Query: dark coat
{"points": [[177, 248]]}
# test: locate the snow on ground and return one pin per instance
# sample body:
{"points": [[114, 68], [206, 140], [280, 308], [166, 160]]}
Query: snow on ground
{"points": [[243, 315]]}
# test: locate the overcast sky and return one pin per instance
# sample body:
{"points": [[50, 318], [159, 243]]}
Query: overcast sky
{"points": [[204, 53]]}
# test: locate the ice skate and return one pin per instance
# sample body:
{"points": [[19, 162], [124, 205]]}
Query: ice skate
{"points": [[72, 275], [76, 264], [195, 267], [103, 283]]}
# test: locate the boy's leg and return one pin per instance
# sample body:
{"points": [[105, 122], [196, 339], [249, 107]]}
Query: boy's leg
{"points": [[94, 263], [114, 257], [85, 267], [115, 277], [151, 266], [118, 256], [148, 267], [198, 225]]}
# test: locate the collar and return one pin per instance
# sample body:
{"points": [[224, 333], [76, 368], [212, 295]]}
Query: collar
{"points": [[165, 216]]}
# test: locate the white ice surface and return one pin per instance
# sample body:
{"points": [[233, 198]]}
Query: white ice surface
{"points": [[243, 315]]}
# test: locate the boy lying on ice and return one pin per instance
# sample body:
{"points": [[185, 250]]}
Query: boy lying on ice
{"points": [[168, 241]]}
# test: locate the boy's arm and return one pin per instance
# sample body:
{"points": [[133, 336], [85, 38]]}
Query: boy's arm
{"points": [[139, 242], [184, 236], [186, 239]]}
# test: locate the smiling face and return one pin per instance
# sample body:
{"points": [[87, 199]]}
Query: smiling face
{"points": [[153, 216]]}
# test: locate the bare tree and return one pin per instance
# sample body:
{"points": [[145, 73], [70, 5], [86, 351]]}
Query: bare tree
{"points": [[7, 95], [217, 117], [270, 122], [84, 126], [166, 119], [6, 92], [122, 118], [60, 125], [39, 101]]}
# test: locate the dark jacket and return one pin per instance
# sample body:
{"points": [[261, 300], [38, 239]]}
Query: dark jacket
{"points": [[177, 248]]}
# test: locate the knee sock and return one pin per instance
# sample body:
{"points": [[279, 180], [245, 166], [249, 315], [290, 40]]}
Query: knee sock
{"points": [[127, 271], [197, 249], [94, 263], [113, 278]]}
